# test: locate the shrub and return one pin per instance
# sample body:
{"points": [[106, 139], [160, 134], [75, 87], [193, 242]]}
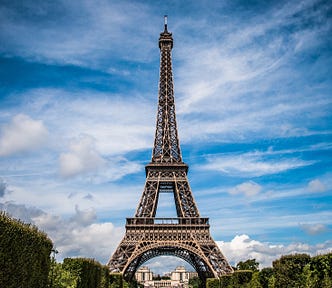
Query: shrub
{"points": [[212, 283], [24, 254]]}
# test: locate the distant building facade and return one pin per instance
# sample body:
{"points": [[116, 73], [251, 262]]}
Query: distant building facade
{"points": [[179, 278], [143, 274]]}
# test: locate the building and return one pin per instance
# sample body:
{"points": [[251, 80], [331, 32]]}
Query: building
{"points": [[179, 278], [143, 274]]}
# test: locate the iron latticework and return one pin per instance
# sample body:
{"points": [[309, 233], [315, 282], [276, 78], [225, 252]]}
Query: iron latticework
{"points": [[186, 236]]}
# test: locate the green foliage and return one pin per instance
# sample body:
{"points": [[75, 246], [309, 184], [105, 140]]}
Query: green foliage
{"points": [[237, 279], [61, 278], [195, 282], [288, 271], [272, 281], [226, 281], [318, 273], [255, 283], [105, 277], [24, 254], [264, 277], [250, 264], [116, 280], [88, 271], [79, 273], [212, 283], [241, 278]]}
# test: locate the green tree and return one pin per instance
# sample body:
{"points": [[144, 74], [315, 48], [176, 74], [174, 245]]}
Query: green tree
{"points": [[255, 283], [61, 278], [241, 278], [250, 264], [264, 276], [318, 273], [195, 282], [272, 281], [288, 271]]}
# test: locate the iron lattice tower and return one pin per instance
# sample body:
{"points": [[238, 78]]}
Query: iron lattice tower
{"points": [[186, 236]]}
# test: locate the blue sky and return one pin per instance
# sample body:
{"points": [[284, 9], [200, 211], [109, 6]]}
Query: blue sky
{"points": [[253, 82]]}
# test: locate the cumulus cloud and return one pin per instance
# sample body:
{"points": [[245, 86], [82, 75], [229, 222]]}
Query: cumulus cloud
{"points": [[85, 217], [22, 134], [84, 158], [73, 237], [242, 247], [316, 186], [81, 158], [247, 188], [20, 211]]}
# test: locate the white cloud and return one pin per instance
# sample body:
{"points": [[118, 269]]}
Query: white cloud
{"points": [[85, 217], [247, 188], [81, 158], [242, 247], [116, 124], [20, 211], [252, 164], [316, 186], [22, 134], [165, 264], [314, 229], [80, 235]]}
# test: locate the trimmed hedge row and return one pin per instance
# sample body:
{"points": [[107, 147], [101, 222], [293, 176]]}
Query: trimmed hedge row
{"points": [[239, 278], [88, 272], [24, 254]]}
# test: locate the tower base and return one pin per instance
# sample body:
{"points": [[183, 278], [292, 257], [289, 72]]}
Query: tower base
{"points": [[186, 238]]}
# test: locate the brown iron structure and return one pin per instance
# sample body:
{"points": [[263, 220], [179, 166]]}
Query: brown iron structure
{"points": [[186, 236]]}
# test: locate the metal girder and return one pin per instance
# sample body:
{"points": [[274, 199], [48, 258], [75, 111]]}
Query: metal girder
{"points": [[176, 179]]}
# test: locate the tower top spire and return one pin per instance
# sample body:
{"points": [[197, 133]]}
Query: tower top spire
{"points": [[165, 36], [165, 23], [166, 146]]}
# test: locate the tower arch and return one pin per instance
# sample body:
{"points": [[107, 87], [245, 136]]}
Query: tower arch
{"points": [[185, 252]]}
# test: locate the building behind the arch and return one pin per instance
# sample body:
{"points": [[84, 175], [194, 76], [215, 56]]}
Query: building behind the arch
{"points": [[177, 278]]}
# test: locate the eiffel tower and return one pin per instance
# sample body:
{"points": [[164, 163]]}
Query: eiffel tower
{"points": [[186, 236]]}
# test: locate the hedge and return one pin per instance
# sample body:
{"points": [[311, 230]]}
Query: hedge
{"points": [[24, 254], [88, 272], [116, 280], [241, 277], [212, 283], [226, 280]]}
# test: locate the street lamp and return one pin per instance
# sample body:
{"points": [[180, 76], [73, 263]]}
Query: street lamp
{"points": [[54, 252]]}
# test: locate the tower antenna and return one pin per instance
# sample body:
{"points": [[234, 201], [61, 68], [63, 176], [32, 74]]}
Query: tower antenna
{"points": [[165, 22]]}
